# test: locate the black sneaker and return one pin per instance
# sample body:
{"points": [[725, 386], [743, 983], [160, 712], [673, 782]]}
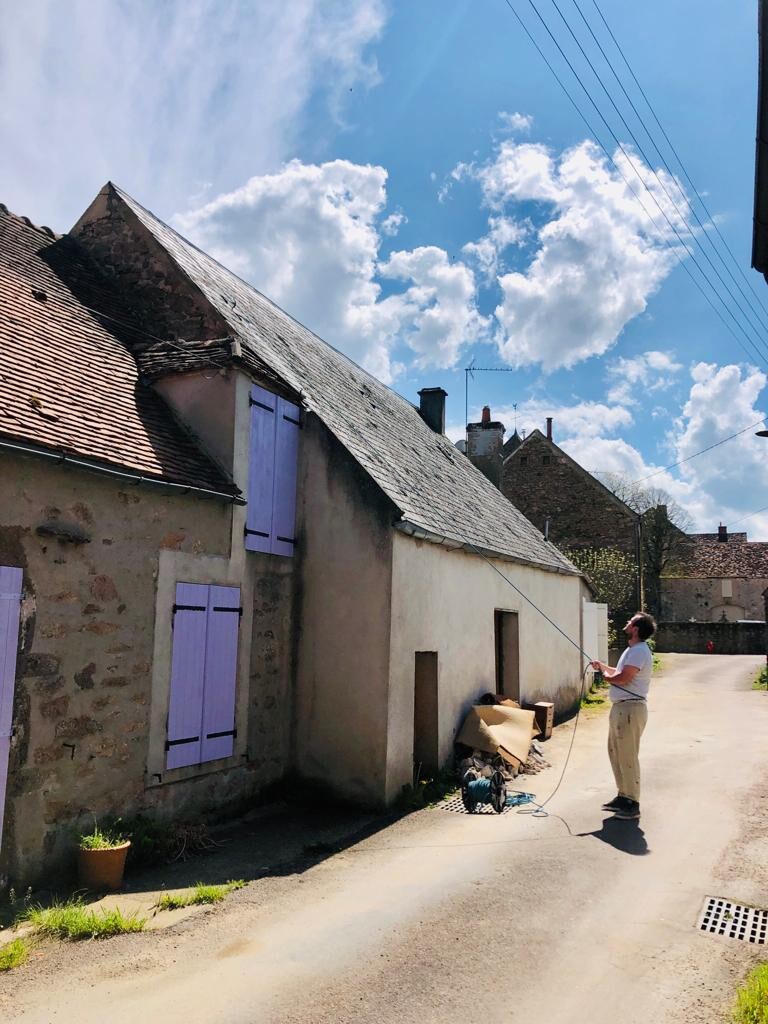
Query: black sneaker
{"points": [[613, 805], [628, 810]]}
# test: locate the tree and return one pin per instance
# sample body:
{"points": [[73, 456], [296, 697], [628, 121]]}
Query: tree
{"points": [[611, 572], [665, 526]]}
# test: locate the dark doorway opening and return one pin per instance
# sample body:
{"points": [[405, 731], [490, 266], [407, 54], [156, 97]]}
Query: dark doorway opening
{"points": [[425, 731], [507, 654]]}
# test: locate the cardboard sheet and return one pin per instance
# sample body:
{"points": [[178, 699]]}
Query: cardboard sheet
{"points": [[498, 729]]}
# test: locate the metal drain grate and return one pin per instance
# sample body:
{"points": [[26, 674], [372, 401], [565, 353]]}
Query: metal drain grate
{"points": [[456, 804], [734, 921]]}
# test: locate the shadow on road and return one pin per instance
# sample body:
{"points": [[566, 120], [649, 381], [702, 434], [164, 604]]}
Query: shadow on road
{"points": [[626, 836]]}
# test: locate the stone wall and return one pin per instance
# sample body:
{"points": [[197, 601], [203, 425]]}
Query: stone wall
{"points": [[84, 687], [728, 637], [540, 481], [702, 599]]}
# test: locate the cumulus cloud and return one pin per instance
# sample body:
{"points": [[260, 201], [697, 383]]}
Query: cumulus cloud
{"points": [[599, 255], [309, 236], [632, 378], [392, 224], [163, 97], [485, 253], [514, 123]]}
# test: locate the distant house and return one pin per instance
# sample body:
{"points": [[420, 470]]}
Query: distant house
{"points": [[227, 553], [572, 508], [720, 578]]}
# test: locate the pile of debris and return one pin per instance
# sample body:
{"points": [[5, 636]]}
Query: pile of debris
{"points": [[498, 735]]}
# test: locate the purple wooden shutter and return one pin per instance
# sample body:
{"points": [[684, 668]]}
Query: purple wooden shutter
{"points": [[10, 596], [185, 707], [218, 738], [286, 468], [261, 470]]}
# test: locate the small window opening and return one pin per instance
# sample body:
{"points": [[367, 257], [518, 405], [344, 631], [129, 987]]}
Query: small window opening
{"points": [[545, 460], [523, 460]]}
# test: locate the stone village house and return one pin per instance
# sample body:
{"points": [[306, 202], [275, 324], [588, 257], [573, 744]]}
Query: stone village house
{"points": [[562, 500], [227, 553]]}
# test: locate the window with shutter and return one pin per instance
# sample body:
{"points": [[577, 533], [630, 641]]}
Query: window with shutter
{"points": [[201, 708], [10, 598], [272, 473]]}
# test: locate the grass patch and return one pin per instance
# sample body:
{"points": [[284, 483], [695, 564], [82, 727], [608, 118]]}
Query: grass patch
{"points": [[201, 894], [74, 920], [102, 837], [14, 954], [428, 792], [760, 681], [658, 664], [752, 998]]}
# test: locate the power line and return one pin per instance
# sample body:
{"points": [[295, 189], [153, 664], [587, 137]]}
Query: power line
{"points": [[748, 516], [675, 153], [658, 178], [701, 452], [637, 173]]}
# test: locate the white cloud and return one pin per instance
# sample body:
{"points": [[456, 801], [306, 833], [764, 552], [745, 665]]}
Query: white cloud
{"points": [[514, 123], [392, 224], [503, 232], [308, 236], [599, 257], [162, 97], [632, 379]]}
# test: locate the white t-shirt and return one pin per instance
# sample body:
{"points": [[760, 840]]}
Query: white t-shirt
{"points": [[639, 656]]}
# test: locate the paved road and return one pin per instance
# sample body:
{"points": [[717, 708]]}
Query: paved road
{"points": [[564, 920]]}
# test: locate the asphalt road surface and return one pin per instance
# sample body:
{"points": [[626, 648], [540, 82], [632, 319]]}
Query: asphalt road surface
{"points": [[568, 919]]}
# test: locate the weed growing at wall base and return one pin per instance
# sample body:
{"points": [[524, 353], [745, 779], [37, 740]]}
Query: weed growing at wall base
{"points": [[14, 954], [760, 681], [201, 894], [73, 920]]}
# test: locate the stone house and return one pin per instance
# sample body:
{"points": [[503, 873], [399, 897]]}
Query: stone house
{"points": [[229, 554], [572, 508], [721, 578]]}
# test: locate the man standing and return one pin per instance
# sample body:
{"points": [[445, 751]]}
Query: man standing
{"points": [[630, 682]]}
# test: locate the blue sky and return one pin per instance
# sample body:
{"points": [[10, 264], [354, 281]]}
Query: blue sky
{"points": [[408, 179]]}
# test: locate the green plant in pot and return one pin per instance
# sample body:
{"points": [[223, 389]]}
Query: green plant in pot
{"points": [[101, 854]]}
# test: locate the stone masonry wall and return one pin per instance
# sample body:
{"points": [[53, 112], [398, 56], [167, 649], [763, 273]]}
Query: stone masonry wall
{"points": [[581, 513], [83, 687], [702, 599], [728, 637]]}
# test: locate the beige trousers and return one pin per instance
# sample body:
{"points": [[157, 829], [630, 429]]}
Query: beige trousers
{"points": [[627, 721]]}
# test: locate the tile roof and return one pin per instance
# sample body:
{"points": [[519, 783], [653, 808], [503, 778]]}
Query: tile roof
{"points": [[67, 380], [435, 487], [708, 558]]}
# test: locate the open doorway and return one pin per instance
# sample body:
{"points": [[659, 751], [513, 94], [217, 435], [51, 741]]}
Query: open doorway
{"points": [[507, 636], [425, 732]]}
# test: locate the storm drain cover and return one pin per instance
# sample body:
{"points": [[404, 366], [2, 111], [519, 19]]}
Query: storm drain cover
{"points": [[734, 921], [456, 804]]}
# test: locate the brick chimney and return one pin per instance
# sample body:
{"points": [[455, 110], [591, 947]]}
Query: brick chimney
{"points": [[484, 446], [722, 534], [549, 428], [432, 408]]}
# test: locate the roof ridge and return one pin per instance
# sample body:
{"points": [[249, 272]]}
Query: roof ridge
{"points": [[42, 228]]}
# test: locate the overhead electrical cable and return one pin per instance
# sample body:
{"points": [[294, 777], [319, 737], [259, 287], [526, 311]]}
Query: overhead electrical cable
{"points": [[627, 156], [748, 516], [700, 452], [619, 170], [676, 155], [694, 234]]}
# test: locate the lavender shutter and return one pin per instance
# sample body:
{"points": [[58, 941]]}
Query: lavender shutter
{"points": [[261, 470], [286, 468], [185, 707], [220, 673], [10, 596]]}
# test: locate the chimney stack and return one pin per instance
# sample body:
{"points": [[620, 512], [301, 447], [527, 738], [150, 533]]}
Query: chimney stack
{"points": [[549, 428], [484, 446], [432, 408], [722, 534]]}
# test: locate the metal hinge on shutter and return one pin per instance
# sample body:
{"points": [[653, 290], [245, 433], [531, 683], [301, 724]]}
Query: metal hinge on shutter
{"points": [[186, 608], [176, 743], [255, 401], [220, 608], [255, 533], [218, 735]]}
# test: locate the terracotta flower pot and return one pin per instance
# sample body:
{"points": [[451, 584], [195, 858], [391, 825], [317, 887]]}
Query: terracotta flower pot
{"points": [[102, 869]]}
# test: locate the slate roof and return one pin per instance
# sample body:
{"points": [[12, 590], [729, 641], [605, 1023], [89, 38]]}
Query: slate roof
{"points": [[67, 380], [436, 489], [707, 558]]}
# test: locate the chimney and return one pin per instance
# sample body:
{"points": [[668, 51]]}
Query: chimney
{"points": [[722, 534], [432, 408], [484, 446], [549, 428]]}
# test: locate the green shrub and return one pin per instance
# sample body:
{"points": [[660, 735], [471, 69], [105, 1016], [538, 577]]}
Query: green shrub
{"points": [[752, 998], [14, 954], [761, 679], [73, 920], [201, 893]]}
